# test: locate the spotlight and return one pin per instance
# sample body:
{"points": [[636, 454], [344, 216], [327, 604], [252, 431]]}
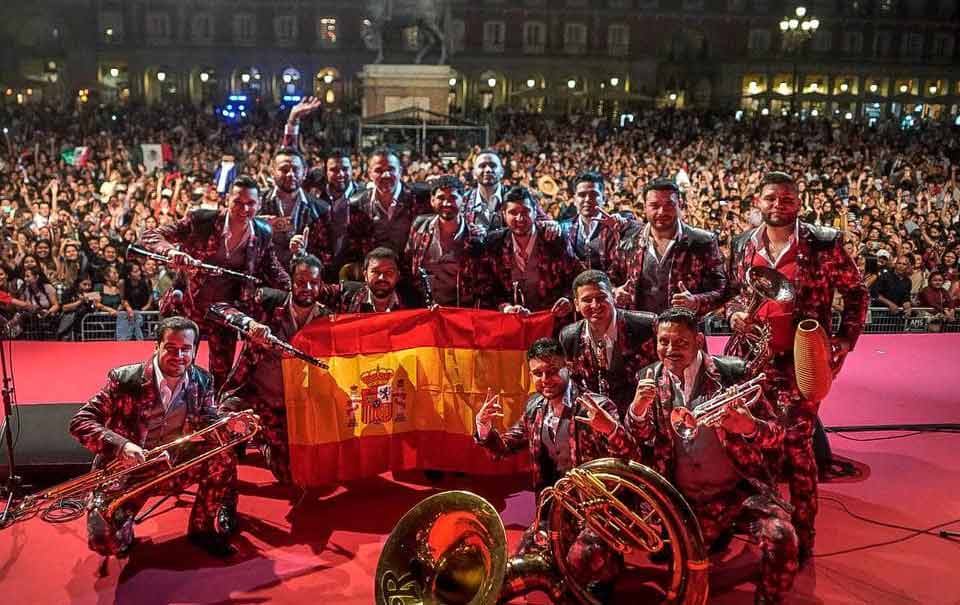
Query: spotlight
{"points": [[571, 84], [245, 78], [161, 76], [114, 72], [614, 81], [453, 81], [327, 78], [491, 82], [204, 76]]}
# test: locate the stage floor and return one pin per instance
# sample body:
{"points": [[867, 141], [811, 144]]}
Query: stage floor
{"points": [[326, 547]]}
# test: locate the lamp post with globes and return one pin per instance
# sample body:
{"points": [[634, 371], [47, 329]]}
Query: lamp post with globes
{"points": [[797, 29]]}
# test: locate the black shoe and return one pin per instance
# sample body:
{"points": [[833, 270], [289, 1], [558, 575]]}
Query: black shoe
{"points": [[215, 544]]}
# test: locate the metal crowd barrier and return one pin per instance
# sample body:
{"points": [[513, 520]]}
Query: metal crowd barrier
{"points": [[879, 321], [103, 326]]}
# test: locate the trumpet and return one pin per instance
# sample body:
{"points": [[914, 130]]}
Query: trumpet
{"points": [[202, 267], [686, 423], [106, 488]]}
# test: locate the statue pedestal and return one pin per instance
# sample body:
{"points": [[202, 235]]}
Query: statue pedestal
{"points": [[388, 88]]}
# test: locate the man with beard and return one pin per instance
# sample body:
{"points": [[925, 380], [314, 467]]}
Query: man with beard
{"points": [[377, 293], [594, 235], [231, 238], [441, 245], [256, 381], [720, 470], [607, 348], [382, 216], [149, 404], [484, 204], [519, 270], [337, 191], [812, 258], [293, 215], [668, 263], [562, 427]]}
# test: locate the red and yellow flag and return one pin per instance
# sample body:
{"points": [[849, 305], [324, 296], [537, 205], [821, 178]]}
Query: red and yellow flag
{"points": [[402, 391]]}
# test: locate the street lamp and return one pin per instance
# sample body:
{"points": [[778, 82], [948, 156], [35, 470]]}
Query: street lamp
{"points": [[797, 30]]}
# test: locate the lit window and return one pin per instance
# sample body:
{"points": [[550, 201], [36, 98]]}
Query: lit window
{"points": [[328, 31]]}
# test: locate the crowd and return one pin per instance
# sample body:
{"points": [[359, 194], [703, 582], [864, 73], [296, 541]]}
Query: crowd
{"points": [[68, 218]]}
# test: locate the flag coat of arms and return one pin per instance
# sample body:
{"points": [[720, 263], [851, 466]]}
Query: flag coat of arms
{"points": [[403, 389]]}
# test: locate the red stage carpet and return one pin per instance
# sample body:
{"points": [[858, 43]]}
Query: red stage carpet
{"points": [[325, 549]]}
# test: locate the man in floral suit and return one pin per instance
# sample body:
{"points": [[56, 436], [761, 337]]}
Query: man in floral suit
{"points": [[440, 247], [562, 429], [595, 235], [231, 238], [608, 347], [812, 258], [722, 471], [148, 404], [519, 270], [668, 262], [256, 381]]}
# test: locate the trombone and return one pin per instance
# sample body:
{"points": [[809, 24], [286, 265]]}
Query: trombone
{"points": [[107, 488]]}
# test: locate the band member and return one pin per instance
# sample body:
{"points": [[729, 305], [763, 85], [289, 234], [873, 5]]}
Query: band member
{"points": [[813, 259], [441, 245], [292, 214], [337, 191], [594, 235], [231, 238], [148, 404], [377, 293], [519, 270], [668, 262], [721, 471], [607, 348], [384, 214], [484, 205], [256, 381], [562, 428]]}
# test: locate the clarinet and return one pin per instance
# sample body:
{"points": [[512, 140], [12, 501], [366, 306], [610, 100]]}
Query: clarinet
{"points": [[426, 286], [203, 267], [224, 314]]}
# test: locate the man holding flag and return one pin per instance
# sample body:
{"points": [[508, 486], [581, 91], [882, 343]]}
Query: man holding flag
{"points": [[256, 381]]}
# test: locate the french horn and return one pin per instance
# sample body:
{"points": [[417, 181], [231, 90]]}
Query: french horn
{"points": [[450, 549]]}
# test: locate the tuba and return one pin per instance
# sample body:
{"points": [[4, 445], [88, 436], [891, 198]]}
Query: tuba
{"points": [[108, 488], [451, 548], [764, 284]]}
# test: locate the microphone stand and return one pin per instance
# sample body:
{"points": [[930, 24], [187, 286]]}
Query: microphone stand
{"points": [[13, 481]]}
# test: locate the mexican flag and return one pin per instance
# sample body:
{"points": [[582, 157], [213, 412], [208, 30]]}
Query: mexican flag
{"points": [[403, 389], [76, 156]]}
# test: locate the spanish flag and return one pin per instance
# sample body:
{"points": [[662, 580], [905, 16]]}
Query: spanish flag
{"points": [[402, 391]]}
